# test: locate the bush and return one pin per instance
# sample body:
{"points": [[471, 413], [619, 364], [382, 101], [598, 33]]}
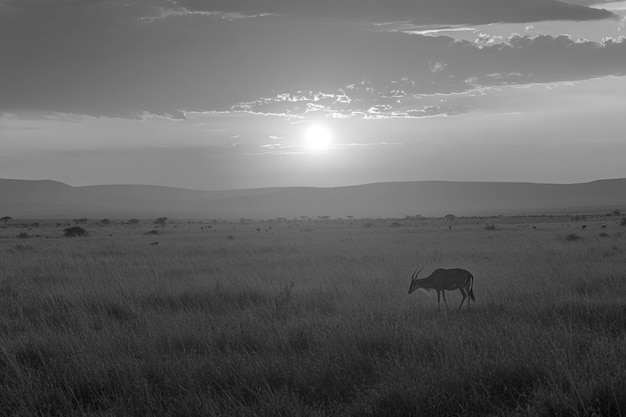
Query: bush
{"points": [[572, 236], [75, 231], [490, 227], [161, 221], [623, 223], [23, 235]]}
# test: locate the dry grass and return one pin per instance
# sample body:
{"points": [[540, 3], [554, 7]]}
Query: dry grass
{"points": [[311, 318]]}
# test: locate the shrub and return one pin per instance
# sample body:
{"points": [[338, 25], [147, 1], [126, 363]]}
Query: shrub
{"points": [[490, 227], [572, 236], [75, 231], [623, 223], [161, 221]]}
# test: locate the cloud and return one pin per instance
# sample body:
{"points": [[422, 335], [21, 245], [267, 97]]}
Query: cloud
{"points": [[538, 59], [588, 2], [435, 77], [437, 30], [173, 12], [397, 99], [100, 58], [125, 58], [419, 12]]}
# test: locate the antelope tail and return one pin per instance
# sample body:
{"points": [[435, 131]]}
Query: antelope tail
{"points": [[471, 290]]}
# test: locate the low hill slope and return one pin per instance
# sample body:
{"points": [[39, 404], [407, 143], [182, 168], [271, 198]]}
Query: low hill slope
{"points": [[51, 199]]}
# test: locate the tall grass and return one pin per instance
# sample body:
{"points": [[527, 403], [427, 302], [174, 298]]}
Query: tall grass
{"points": [[312, 318]]}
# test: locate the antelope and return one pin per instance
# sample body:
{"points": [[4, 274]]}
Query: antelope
{"points": [[446, 279]]}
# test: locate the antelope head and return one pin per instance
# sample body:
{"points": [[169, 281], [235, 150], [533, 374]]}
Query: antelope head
{"points": [[414, 283]]}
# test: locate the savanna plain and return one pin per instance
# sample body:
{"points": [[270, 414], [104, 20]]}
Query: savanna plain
{"points": [[311, 317]]}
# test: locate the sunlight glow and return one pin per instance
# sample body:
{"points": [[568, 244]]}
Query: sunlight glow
{"points": [[318, 137]]}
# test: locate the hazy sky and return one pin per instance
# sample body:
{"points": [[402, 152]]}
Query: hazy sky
{"points": [[219, 94]]}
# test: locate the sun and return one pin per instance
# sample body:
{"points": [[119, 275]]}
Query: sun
{"points": [[318, 137]]}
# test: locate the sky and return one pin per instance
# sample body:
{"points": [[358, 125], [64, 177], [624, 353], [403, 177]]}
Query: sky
{"points": [[233, 94]]}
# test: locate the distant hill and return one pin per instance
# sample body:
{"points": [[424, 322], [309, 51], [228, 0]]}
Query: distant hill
{"points": [[51, 199]]}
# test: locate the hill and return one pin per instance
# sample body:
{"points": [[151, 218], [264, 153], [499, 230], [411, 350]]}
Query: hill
{"points": [[51, 199]]}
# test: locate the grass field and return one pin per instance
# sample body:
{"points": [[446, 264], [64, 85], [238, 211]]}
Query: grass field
{"points": [[312, 318]]}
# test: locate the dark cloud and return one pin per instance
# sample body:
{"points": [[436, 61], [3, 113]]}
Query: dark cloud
{"points": [[587, 2], [419, 12], [523, 59], [127, 58], [101, 58], [436, 67]]}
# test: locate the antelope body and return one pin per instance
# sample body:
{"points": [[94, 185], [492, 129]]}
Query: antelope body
{"points": [[446, 279]]}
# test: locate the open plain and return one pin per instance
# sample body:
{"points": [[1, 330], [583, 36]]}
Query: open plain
{"points": [[311, 317]]}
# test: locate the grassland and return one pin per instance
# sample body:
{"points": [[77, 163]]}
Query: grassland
{"points": [[312, 318]]}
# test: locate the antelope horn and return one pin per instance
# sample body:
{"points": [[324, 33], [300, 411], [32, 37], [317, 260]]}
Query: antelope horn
{"points": [[414, 276]]}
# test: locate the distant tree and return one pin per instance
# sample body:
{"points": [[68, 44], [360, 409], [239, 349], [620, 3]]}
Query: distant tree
{"points": [[450, 217], [161, 221], [105, 222], [133, 221], [6, 219], [81, 220], [616, 212], [623, 223], [75, 231]]}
